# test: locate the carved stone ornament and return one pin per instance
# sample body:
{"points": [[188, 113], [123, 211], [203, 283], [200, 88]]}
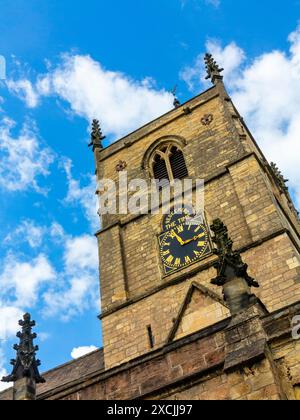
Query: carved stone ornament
{"points": [[212, 69], [176, 101], [207, 119], [25, 365], [121, 166], [281, 182], [187, 110], [232, 272], [228, 259], [280, 179], [96, 136]]}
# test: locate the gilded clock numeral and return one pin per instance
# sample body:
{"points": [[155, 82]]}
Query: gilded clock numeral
{"points": [[165, 253], [170, 259], [197, 229], [201, 244], [187, 260], [180, 229], [197, 253], [177, 262]]}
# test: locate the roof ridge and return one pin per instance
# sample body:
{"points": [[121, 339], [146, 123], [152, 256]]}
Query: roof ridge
{"points": [[73, 361]]}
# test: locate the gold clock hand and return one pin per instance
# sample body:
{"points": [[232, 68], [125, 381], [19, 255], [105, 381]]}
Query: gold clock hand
{"points": [[179, 239], [193, 239]]}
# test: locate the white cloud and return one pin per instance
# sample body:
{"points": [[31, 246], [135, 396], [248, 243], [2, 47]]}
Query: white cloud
{"points": [[28, 232], [9, 315], [57, 232], [3, 372], [33, 234], [82, 351], [84, 196], [231, 57], [23, 88], [64, 291], [21, 281], [76, 295], [23, 284], [77, 287], [119, 102], [266, 92], [80, 253], [3, 385], [22, 158]]}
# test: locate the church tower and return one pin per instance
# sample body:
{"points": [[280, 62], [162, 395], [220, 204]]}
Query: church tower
{"points": [[152, 294], [207, 311]]}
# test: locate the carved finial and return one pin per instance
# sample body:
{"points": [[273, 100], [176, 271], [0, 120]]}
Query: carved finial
{"points": [[281, 181], [228, 259], [96, 136], [25, 365], [232, 272], [212, 69], [176, 102]]}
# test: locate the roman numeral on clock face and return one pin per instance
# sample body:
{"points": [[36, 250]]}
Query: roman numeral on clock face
{"points": [[201, 244], [177, 262], [170, 259], [180, 229]]}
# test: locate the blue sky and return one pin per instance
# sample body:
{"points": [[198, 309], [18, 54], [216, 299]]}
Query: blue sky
{"points": [[68, 62]]}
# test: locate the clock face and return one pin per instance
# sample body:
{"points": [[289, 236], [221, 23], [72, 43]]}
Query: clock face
{"points": [[182, 244]]}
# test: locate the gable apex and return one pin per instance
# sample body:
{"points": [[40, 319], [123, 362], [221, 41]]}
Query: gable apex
{"points": [[206, 293]]}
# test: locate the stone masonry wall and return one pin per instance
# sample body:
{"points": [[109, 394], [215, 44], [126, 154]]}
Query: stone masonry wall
{"points": [[240, 198], [237, 191], [273, 264], [255, 384], [193, 369]]}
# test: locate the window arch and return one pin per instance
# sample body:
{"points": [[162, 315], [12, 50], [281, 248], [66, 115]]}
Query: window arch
{"points": [[168, 163]]}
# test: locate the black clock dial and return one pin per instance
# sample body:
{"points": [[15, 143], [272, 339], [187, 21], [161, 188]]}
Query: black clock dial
{"points": [[183, 244]]}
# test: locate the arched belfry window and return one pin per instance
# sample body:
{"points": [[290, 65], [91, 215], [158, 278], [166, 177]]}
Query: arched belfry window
{"points": [[168, 163]]}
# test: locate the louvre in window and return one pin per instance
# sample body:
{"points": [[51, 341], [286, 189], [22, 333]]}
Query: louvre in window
{"points": [[178, 165], [168, 164], [160, 170]]}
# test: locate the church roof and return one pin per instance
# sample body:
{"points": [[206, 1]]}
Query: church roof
{"points": [[67, 373]]}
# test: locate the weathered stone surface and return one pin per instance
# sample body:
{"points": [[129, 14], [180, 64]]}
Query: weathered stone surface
{"points": [[24, 390], [191, 368], [245, 339], [238, 190], [211, 356]]}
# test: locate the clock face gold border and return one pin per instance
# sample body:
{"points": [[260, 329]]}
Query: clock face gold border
{"points": [[182, 245]]}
